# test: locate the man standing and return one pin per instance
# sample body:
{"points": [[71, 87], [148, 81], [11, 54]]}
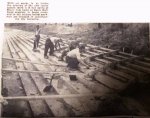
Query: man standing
{"points": [[37, 37], [48, 45], [73, 57]]}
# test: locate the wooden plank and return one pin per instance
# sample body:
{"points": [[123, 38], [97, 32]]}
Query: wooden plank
{"points": [[126, 60], [55, 87], [109, 81], [111, 59], [0, 89], [84, 55], [115, 60], [100, 48], [102, 61], [96, 50], [120, 56], [140, 68], [77, 104], [58, 107], [122, 74], [72, 91], [72, 102], [115, 76], [105, 49], [147, 59], [41, 72], [141, 63], [33, 97], [94, 86], [14, 85], [102, 54], [89, 103], [92, 53], [26, 61], [130, 71], [127, 54], [29, 87], [42, 41], [95, 54], [108, 49]]}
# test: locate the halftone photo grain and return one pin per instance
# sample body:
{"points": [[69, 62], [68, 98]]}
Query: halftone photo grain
{"points": [[76, 70]]}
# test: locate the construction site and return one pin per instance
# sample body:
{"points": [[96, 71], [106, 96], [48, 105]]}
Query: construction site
{"points": [[116, 82]]}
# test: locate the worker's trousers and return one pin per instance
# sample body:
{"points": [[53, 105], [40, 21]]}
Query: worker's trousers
{"points": [[72, 62], [36, 41], [47, 47]]}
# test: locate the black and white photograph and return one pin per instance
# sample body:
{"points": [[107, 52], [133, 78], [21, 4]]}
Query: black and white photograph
{"points": [[76, 70]]}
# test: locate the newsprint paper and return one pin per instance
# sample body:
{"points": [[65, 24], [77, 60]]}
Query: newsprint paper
{"points": [[75, 58]]}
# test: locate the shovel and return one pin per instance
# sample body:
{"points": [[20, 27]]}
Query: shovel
{"points": [[50, 86]]}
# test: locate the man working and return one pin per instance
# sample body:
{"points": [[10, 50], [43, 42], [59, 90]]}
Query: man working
{"points": [[37, 38], [72, 45], [73, 57], [57, 42], [48, 45]]}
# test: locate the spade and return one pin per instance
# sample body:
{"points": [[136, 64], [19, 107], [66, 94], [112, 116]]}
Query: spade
{"points": [[49, 87]]}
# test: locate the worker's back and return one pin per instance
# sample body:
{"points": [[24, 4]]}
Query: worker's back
{"points": [[49, 42], [74, 53]]}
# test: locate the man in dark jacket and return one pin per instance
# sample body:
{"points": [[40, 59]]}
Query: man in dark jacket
{"points": [[48, 45]]}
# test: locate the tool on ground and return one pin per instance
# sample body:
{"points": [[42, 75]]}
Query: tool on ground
{"points": [[73, 77], [50, 86]]}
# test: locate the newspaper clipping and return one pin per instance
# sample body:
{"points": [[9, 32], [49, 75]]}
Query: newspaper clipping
{"points": [[72, 69]]}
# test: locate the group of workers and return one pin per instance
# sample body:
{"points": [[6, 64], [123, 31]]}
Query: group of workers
{"points": [[72, 53]]}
